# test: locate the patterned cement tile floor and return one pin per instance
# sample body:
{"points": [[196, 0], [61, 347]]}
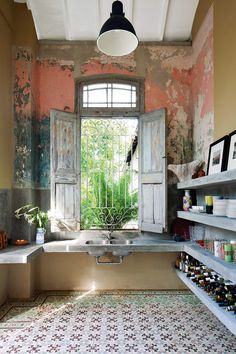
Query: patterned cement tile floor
{"points": [[112, 322]]}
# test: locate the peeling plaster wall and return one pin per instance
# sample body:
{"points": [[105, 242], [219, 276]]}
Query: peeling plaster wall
{"points": [[48, 81], [167, 73], [179, 78], [203, 89]]}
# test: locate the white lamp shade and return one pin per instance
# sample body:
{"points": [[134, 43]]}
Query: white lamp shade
{"points": [[117, 42]]}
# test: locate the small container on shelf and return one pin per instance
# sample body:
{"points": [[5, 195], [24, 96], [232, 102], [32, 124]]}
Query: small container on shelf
{"points": [[233, 245], [228, 252], [3, 239], [217, 248], [231, 208], [187, 201], [209, 204]]}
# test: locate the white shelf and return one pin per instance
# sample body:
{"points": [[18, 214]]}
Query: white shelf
{"points": [[227, 318], [226, 269], [209, 219], [216, 179]]}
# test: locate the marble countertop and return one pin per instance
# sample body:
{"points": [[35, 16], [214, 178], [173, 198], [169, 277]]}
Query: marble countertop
{"points": [[25, 254]]}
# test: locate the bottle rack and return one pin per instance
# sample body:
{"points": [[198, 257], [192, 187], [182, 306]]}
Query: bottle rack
{"points": [[226, 269], [227, 318]]}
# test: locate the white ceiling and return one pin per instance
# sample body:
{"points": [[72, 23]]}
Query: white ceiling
{"points": [[153, 20]]}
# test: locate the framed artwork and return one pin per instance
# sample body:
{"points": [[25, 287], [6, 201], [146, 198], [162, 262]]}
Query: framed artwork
{"points": [[218, 153], [231, 163]]}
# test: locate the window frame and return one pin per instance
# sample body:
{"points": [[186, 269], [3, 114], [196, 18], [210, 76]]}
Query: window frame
{"points": [[138, 82]]}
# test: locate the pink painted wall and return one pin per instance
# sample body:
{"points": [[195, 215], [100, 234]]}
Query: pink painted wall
{"points": [[167, 74], [203, 89], [56, 86]]}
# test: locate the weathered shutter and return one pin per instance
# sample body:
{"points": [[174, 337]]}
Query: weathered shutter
{"points": [[153, 178], [64, 171]]}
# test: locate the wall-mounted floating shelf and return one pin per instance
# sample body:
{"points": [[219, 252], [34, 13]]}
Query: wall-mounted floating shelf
{"points": [[226, 269], [217, 179], [221, 222], [227, 318]]}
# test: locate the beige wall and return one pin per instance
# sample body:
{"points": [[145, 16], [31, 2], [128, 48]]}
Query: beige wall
{"points": [[201, 12], [16, 27], [78, 271], [6, 146], [21, 280], [24, 34], [3, 283], [225, 66]]}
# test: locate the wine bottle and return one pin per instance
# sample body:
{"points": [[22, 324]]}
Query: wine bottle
{"points": [[231, 308], [186, 264]]}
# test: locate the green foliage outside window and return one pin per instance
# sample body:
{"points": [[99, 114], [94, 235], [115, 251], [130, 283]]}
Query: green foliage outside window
{"points": [[108, 200]]}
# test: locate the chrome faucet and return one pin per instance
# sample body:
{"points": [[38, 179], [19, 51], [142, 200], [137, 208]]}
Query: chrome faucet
{"points": [[108, 236]]}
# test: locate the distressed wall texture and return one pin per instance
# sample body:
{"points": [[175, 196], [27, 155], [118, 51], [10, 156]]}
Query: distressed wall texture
{"points": [[203, 89], [179, 78], [48, 82]]}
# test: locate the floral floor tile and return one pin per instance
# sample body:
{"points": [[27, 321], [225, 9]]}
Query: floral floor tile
{"points": [[112, 322]]}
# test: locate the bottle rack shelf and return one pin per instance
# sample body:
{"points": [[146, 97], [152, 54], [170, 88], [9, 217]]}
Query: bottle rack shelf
{"points": [[227, 318], [226, 269], [221, 222]]}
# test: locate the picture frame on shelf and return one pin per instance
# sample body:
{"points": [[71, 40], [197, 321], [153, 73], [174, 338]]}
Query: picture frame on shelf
{"points": [[231, 161], [218, 155]]}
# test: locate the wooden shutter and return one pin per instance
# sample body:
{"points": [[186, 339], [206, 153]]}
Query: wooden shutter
{"points": [[153, 177], [65, 171]]}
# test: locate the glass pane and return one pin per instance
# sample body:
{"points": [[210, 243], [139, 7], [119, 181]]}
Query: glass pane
{"points": [[122, 86], [97, 96], [97, 86], [121, 96], [109, 95], [85, 97], [92, 105], [134, 97]]}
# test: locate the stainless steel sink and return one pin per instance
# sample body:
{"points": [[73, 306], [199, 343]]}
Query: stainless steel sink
{"points": [[98, 252], [97, 242], [121, 242], [108, 242]]}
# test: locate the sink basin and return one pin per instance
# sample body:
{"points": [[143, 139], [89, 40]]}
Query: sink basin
{"points": [[97, 242], [101, 252], [108, 242], [121, 242]]}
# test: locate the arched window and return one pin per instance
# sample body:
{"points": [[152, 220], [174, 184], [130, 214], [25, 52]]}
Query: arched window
{"points": [[110, 96]]}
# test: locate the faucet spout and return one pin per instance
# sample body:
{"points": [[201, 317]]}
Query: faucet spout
{"points": [[108, 236]]}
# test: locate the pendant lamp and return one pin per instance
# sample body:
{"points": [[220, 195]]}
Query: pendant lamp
{"points": [[117, 36]]}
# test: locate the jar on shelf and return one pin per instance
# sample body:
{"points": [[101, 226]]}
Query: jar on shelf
{"points": [[233, 246], [228, 252], [187, 201]]}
